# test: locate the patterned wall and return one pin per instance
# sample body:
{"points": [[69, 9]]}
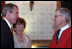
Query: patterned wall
{"points": [[40, 20]]}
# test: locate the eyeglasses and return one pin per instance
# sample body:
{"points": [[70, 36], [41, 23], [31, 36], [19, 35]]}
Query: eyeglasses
{"points": [[57, 15]]}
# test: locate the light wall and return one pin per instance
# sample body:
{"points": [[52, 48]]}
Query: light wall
{"points": [[39, 21]]}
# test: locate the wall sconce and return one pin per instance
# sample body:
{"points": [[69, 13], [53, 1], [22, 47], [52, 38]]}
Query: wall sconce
{"points": [[31, 5]]}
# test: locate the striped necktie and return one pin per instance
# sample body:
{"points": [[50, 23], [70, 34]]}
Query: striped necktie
{"points": [[57, 35]]}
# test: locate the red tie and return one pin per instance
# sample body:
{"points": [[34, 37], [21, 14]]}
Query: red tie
{"points": [[12, 30]]}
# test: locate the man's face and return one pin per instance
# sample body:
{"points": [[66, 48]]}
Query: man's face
{"points": [[58, 18], [14, 15]]}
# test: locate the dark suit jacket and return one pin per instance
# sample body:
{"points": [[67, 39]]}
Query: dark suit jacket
{"points": [[6, 36]]}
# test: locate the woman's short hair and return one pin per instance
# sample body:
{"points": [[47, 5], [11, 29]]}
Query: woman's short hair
{"points": [[20, 21]]}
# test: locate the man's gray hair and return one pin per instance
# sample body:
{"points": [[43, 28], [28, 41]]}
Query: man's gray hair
{"points": [[8, 7], [66, 12]]}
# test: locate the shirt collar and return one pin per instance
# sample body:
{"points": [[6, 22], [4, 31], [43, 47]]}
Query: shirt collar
{"points": [[7, 22], [65, 27]]}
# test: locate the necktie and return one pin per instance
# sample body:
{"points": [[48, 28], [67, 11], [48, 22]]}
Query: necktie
{"points": [[57, 36], [12, 30]]}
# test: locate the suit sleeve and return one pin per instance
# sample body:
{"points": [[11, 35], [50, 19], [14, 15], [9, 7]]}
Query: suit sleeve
{"points": [[2, 36], [69, 43], [53, 42]]}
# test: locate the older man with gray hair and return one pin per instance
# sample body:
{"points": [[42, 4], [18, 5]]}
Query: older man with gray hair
{"points": [[62, 37], [10, 13]]}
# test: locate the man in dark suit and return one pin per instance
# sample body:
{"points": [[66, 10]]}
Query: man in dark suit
{"points": [[9, 16]]}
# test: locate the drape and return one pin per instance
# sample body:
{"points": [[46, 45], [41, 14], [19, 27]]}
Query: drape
{"points": [[2, 4]]}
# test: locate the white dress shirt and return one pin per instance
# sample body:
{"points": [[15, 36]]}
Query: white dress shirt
{"points": [[7, 22], [63, 28]]}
